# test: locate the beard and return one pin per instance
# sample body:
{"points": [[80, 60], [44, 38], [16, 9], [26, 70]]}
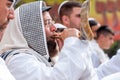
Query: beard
{"points": [[50, 41], [72, 25], [4, 25], [52, 47], [1, 28]]}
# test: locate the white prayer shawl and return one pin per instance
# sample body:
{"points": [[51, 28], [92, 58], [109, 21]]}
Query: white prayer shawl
{"points": [[115, 76], [26, 29], [97, 54], [110, 67], [4, 72]]}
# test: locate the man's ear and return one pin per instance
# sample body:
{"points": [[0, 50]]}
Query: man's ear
{"points": [[65, 19]]}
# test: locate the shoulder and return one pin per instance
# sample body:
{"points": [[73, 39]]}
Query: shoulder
{"points": [[20, 56], [118, 51]]}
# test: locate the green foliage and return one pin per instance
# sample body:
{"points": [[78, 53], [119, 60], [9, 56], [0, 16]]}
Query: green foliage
{"points": [[112, 51], [49, 2], [24, 1]]}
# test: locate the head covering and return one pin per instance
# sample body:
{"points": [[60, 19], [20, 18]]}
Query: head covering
{"points": [[46, 8], [93, 22], [27, 29], [59, 8]]}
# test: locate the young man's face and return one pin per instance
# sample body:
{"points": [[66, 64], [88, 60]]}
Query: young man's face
{"points": [[75, 18], [6, 13], [107, 41]]}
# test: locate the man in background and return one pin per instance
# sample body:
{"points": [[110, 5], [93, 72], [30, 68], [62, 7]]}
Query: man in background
{"points": [[70, 16], [94, 25], [97, 54], [105, 37]]}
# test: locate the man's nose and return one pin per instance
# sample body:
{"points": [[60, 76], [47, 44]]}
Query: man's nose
{"points": [[11, 14], [53, 28]]}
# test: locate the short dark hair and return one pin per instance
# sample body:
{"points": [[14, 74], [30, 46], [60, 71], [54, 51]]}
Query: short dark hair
{"points": [[92, 22], [67, 7], [105, 30]]}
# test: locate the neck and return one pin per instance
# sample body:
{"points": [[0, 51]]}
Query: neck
{"points": [[100, 43]]}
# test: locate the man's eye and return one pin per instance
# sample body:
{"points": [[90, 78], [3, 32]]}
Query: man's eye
{"points": [[78, 15], [111, 38], [9, 4]]}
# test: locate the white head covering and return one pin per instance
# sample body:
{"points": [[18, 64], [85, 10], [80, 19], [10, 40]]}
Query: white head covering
{"points": [[59, 8], [26, 29]]}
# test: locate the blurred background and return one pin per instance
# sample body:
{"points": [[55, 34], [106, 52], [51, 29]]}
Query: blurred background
{"points": [[107, 12]]}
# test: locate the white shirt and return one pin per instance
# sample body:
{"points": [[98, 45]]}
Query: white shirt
{"points": [[97, 54], [4, 72], [115, 76], [109, 67], [74, 64]]}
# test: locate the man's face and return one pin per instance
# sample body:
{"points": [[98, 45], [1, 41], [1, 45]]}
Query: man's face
{"points": [[6, 13], [75, 18], [49, 25], [107, 41]]}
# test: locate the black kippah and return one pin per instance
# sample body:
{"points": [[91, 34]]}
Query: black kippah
{"points": [[93, 23]]}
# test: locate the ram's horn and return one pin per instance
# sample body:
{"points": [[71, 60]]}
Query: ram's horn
{"points": [[86, 31]]}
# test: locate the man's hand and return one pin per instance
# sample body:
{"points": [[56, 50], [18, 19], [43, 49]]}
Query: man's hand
{"points": [[70, 32]]}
